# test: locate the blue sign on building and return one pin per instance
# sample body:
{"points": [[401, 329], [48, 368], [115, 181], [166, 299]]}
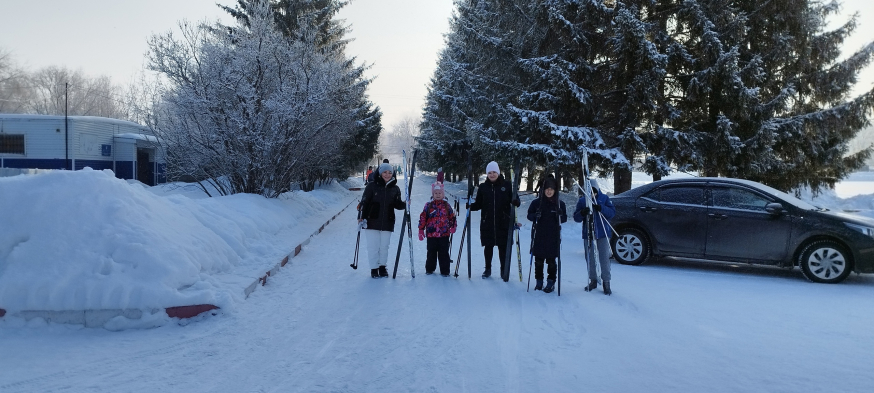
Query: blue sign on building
{"points": [[106, 150]]}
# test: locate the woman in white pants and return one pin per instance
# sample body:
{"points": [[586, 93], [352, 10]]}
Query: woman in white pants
{"points": [[381, 198]]}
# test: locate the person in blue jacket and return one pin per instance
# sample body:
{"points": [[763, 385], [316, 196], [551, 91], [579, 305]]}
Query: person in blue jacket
{"points": [[603, 212]]}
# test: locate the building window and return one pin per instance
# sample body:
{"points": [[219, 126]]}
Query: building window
{"points": [[11, 144]]}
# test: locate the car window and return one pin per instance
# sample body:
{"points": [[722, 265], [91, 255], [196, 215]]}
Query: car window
{"points": [[688, 195], [789, 198], [736, 198]]}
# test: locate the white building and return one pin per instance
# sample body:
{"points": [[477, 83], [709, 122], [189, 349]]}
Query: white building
{"points": [[49, 142]]}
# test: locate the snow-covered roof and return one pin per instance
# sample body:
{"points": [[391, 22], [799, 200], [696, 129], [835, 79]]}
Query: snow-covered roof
{"points": [[17, 116], [139, 137]]}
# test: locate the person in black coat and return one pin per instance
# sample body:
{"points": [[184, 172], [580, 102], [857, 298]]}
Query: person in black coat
{"points": [[548, 213], [493, 198], [381, 198]]}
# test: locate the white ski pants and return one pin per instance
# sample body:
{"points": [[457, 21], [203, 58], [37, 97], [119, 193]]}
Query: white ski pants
{"points": [[377, 247], [604, 253]]}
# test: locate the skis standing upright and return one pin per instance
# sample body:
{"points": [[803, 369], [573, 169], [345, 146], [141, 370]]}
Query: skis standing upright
{"points": [[589, 221], [517, 228], [466, 230], [470, 188], [505, 271], [411, 174], [534, 236], [406, 224]]}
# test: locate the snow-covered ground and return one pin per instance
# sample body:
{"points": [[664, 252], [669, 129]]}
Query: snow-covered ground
{"points": [[321, 326]]}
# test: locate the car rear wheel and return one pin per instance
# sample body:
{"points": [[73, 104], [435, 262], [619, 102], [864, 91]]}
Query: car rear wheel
{"points": [[630, 247], [825, 261]]}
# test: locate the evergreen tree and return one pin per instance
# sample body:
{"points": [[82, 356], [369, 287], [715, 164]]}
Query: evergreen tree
{"points": [[762, 94], [294, 18], [722, 87]]}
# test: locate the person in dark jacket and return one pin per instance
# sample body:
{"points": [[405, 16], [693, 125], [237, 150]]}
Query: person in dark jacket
{"points": [[547, 213], [381, 198], [603, 211], [493, 198]]}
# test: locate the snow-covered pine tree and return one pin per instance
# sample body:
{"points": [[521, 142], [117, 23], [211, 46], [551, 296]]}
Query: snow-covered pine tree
{"points": [[461, 97], [247, 108], [294, 19], [810, 78], [760, 92]]}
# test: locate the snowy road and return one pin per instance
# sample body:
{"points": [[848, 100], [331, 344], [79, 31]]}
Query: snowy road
{"points": [[320, 326]]}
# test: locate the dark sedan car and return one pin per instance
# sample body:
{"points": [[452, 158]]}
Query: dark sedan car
{"points": [[735, 220]]}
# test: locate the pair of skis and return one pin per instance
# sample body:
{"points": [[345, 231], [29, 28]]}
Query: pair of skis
{"points": [[589, 221], [407, 225], [466, 230], [514, 228]]}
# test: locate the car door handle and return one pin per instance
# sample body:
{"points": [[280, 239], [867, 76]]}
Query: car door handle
{"points": [[717, 216], [647, 209]]}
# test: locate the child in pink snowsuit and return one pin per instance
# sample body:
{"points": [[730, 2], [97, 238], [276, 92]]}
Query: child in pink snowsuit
{"points": [[437, 222]]}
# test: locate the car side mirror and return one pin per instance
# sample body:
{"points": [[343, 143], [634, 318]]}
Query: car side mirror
{"points": [[774, 208]]}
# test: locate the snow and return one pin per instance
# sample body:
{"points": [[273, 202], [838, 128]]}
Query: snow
{"points": [[86, 240], [321, 326]]}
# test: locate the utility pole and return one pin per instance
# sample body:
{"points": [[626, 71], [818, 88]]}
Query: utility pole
{"points": [[66, 129]]}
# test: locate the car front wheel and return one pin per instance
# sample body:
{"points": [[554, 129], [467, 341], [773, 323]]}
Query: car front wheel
{"points": [[630, 247], [825, 261]]}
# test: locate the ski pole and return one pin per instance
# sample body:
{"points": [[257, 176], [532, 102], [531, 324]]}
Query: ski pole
{"points": [[519, 252], [355, 261], [463, 232], [558, 219], [358, 241], [530, 264]]}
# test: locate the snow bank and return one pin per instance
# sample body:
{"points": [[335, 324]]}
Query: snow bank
{"points": [[86, 240]]}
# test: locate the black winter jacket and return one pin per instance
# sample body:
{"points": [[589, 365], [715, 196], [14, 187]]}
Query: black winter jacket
{"points": [[377, 203], [546, 234], [494, 199]]}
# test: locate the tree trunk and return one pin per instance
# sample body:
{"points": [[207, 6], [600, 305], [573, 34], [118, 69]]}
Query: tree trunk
{"points": [[529, 182], [621, 180]]}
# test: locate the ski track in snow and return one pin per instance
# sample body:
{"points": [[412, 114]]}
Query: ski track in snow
{"points": [[320, 326]]}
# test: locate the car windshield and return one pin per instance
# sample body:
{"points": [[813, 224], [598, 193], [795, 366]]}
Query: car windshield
{"points": [[790, 198]]}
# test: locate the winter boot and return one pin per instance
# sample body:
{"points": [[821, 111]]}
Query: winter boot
{"points": [[539, 285], [374, 273], [488, 272], [550, 286], [592, 285], [607, 290], [383, 272]]}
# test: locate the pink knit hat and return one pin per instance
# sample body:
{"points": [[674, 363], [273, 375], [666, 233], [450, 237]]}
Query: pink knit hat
{"points": [[436, 186]]}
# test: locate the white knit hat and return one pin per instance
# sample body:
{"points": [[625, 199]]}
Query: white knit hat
{"points": [[493, 167], [384, 167]]}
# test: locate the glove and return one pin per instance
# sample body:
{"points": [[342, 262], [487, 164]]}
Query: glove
{"points": [[596, 207], [452, 230], [537, 216], [421, 235], [584, 211]]}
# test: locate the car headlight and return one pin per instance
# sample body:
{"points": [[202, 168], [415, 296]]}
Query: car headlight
{"points": [[867, 231]]}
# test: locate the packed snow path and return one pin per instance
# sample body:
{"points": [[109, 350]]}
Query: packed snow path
{"points": [[320, 326]]}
